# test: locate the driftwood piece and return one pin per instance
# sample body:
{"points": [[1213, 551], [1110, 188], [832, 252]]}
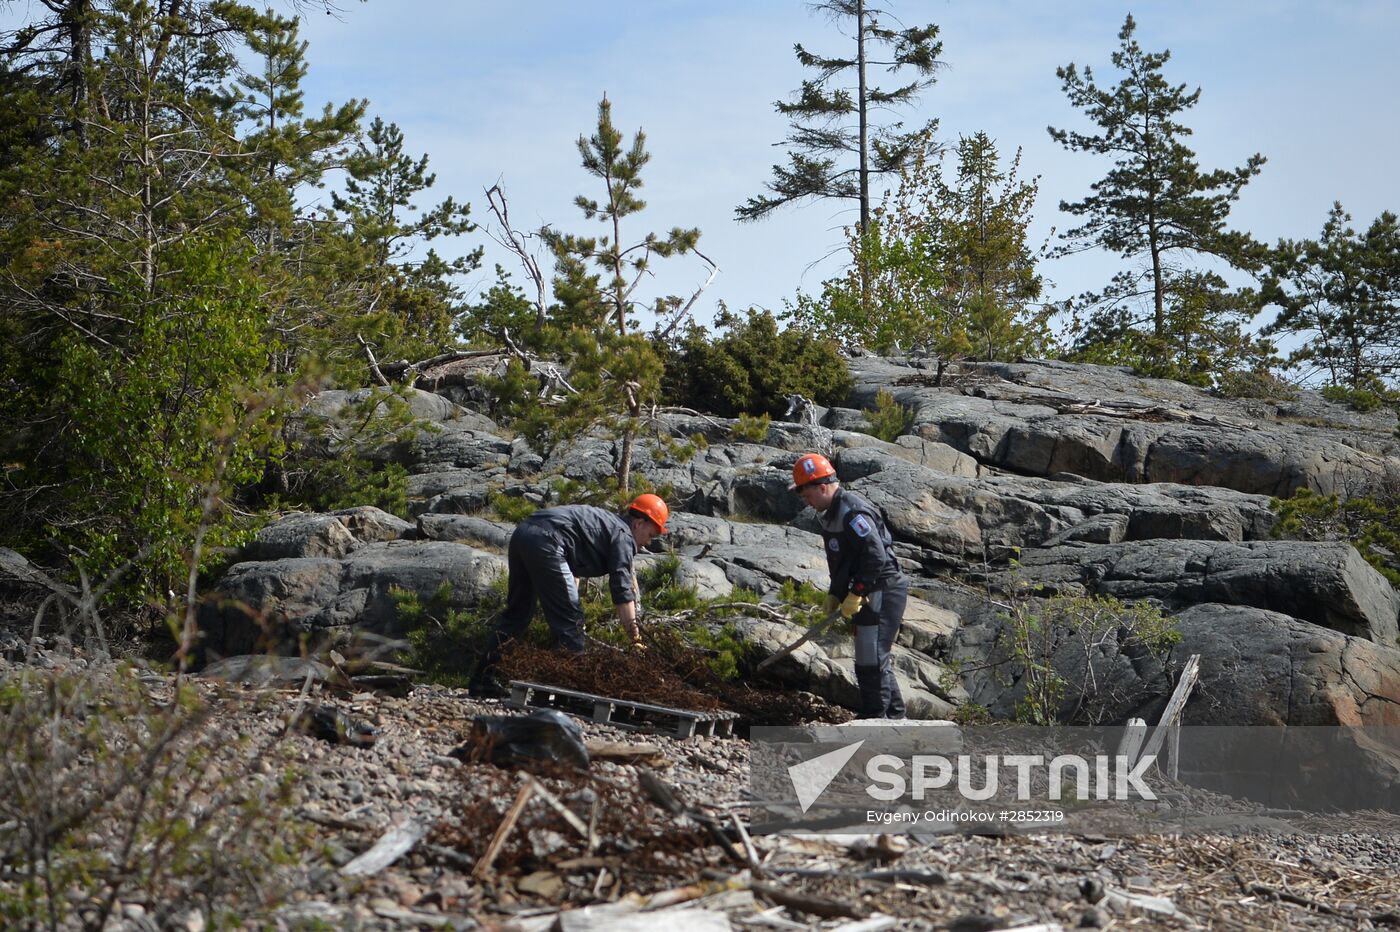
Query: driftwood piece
{"points": [[659, 792], [1171, 715], [694, 891], [649, 755], [1130, 746], [749, 851], [663, 796], [1254, 888], [927, 878], [329, 820], [393, 845], [822, 906], [498, 840]]}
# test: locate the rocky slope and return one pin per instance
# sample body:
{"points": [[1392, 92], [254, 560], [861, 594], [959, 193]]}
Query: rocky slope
{"points": [[1032, 476]]}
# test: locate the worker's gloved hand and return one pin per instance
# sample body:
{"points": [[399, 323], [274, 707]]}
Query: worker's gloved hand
{"points": [[830, 605], [852, 604], [638, 645]]}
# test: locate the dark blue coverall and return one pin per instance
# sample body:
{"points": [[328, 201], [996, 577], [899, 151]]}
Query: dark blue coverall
{"points": [[546, 552], [860, 556]]}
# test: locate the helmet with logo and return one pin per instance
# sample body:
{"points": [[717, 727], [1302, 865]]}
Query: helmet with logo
{"points": [[652, 507], [809, 468]]}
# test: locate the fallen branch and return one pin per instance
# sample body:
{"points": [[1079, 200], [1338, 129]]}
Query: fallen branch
{"points": [[394, 844], [695, 891], [554, 803], [1258, 889], [1170, 715], [813, 905], [749, 850], [375, 374], [498, 841]]}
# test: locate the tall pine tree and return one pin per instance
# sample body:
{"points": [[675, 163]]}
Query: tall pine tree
{"points": [[593, 322], [400, 301], [1156, 206], [835, 146]]}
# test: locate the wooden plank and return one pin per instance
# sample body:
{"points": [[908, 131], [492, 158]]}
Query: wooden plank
{"points": [[1189, 674], [391, 846], [1133, 735]]}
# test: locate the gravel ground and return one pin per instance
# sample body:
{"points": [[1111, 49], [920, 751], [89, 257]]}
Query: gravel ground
{"points": [[350, 796], [954, 881]]}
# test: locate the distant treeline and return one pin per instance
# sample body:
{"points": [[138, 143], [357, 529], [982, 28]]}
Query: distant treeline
{"points": [[168, 297]]}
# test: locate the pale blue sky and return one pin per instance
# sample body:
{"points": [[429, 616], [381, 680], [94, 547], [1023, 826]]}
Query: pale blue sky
{"points": [[495, 91]]}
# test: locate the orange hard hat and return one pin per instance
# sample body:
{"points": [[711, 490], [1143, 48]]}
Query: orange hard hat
{"points": [[810, 467], [653, 507]]}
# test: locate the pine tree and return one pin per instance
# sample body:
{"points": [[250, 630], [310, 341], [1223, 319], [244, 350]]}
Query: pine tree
{"points": [[822, 135], [1155, 205], [296, 152], [403, 304], [623, 266], [593, 321], [131, 189], [1342, 291], [978, 235], [945, 267]]}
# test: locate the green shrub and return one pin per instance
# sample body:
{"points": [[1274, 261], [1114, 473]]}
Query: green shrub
{"points": [[750, 429], [336, 461], [512, 508], [1051, 645], [752, 367], [730, 653], [679, 451], [1255, 383], [889, 419], [113, 794], [660, 591], [1369, 523], [111, 438], [347, 482], [445, 642], [1358, 399]]}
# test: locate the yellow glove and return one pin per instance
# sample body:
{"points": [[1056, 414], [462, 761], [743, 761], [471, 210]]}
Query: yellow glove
{"points": [[830, 605], [852, 604], [638, 645]]}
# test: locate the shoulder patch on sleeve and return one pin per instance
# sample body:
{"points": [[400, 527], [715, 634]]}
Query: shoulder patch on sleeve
{"points": [[862, 525]]}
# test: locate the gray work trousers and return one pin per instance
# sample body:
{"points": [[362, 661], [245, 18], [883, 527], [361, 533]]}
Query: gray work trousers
{"points": [[877, 626], [538, 570]]}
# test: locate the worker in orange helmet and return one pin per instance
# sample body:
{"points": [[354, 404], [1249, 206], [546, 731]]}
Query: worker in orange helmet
{"points": [[553, 548], [866, 582]]}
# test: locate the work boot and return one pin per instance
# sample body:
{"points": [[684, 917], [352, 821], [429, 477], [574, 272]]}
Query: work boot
{"points": [[871, 686], [891, 696], [487, 687]]}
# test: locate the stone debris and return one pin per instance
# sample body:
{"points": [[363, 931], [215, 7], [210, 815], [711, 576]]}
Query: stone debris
{"points": [[636, 858]]}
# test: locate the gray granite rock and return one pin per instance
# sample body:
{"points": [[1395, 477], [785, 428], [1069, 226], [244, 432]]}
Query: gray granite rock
{"points": [[1326, 584]]}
